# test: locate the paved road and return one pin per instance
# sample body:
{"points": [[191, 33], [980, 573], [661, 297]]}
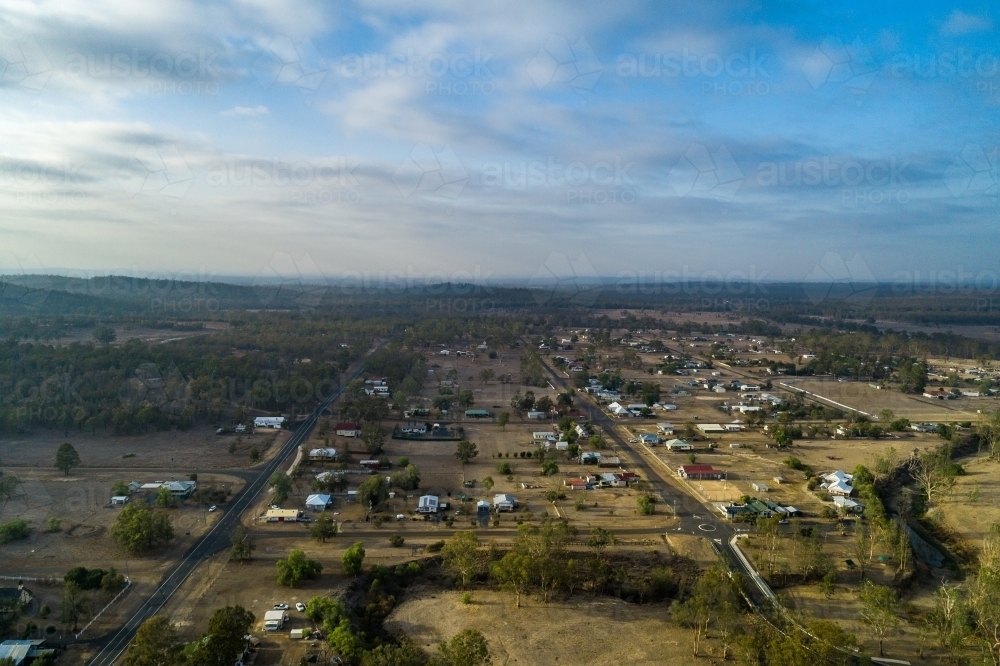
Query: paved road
{"points": [[114, 644], [693, 517]]}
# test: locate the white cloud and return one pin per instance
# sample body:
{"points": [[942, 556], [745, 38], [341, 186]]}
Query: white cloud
{"points": [[246, 111], [960, 23]]}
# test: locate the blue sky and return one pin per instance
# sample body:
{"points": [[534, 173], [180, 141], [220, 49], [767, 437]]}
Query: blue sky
{"points": [[488, 141]]}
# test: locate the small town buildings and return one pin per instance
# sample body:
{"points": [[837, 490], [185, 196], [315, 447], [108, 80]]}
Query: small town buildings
{"points": [[17, 652], [711, 428], [700, 472], [317, 502], [665, 428], [923, 427], [414, 429], [348, 429], [477, 414], [649, 439], [269, 422], [619, 410], [504, 502], [678, 445], [543, 436], [534, 414], [323, 455], [283, 515], [119, 500], [759, 487], [838, 483], [19, 594], [589, 457], [575, 484], [181, 489], [848, 506], [428, 504], [612, 480]]}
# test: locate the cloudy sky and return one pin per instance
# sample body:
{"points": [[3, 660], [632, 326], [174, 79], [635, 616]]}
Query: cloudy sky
{"points": [[495, 140]]}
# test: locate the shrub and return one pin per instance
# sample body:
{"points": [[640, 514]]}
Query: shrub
{"points": [[646, 505], [549, 467], [396, 540], [466, 598], [435, 547], [505, 468], [14, 530]]}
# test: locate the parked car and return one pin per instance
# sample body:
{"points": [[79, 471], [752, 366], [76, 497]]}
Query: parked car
{"points": [[300, 607], [213, 508], [280, 606]]}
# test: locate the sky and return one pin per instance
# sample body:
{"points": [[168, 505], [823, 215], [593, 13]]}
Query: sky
{"points": [[500, 141]]}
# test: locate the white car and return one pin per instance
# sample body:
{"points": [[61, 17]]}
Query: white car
{"points": [[300, 607], [280, 606], [213, 508]]}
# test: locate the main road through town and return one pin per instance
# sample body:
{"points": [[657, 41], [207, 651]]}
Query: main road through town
{"points": [[693, 517], [113, 645]]}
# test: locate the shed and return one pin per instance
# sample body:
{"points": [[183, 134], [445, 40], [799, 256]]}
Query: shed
{"points": [[759, 487], [119, 500], [283, 515], [477, 414], [665, 428], [348, 429], [504, 502], [269, 422]]}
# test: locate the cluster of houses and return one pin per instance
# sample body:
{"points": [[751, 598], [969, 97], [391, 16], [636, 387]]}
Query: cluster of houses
{"points": [[840, 486], [502, 503], [606, 480], [754, 509], [179, 489]]}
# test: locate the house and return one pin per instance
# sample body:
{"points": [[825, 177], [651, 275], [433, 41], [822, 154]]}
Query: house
{"points": [[16, 652], [612, 480], [838, 483], [269, 422], [428, 504], [665, 428], [759, 487], [181, 489], [923, 427], [534, 414], [283, 515], [708, 428], [628, 477], [649, 439], [575, 484], [348, 429], [581, 431], [323, 454], [504, 502], [119, 500], [719, 388], [589, 457], [735, 426], [700, 472], [317, 502], [939, 394], [561, 445], [678, 445], [371, 463], [134, 487], [743, 409], [619, 410], [543, 436], [414, 429], [240, 429], [760, 508], [477, 414], [669, 406], [847, 505], [734, 511]]}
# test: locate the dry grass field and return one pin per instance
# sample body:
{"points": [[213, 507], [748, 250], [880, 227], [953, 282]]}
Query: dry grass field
{"points": [[916, 408], [592, 631], [181, 450]]}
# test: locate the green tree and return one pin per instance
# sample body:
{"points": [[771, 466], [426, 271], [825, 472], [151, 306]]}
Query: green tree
{"points": [[323, 528], [513, 572], [347, 644], [503, 419], [372, 437], [242, 544], [353, 558], [406, 654], [254, 454], [460, 556], [155, 644], [488, 483], [467, 648], [119, 488], [325, 609], [73, 605], [67, 458], [164, 498], [372, 493], [140, 530], [600, 540], [466, 399], [466, 451], [104, 334], [878, 610], [296, 568], [224, 638], [646, 505], [281, 483], [486, 374]]}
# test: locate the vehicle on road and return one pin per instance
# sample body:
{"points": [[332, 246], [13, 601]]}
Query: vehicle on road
{"points": [[300, 607]]}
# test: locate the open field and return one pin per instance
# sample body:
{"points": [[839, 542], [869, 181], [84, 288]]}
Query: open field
{"points": [[973, 505], [916, 408], [197, 448], [608, 630]]}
